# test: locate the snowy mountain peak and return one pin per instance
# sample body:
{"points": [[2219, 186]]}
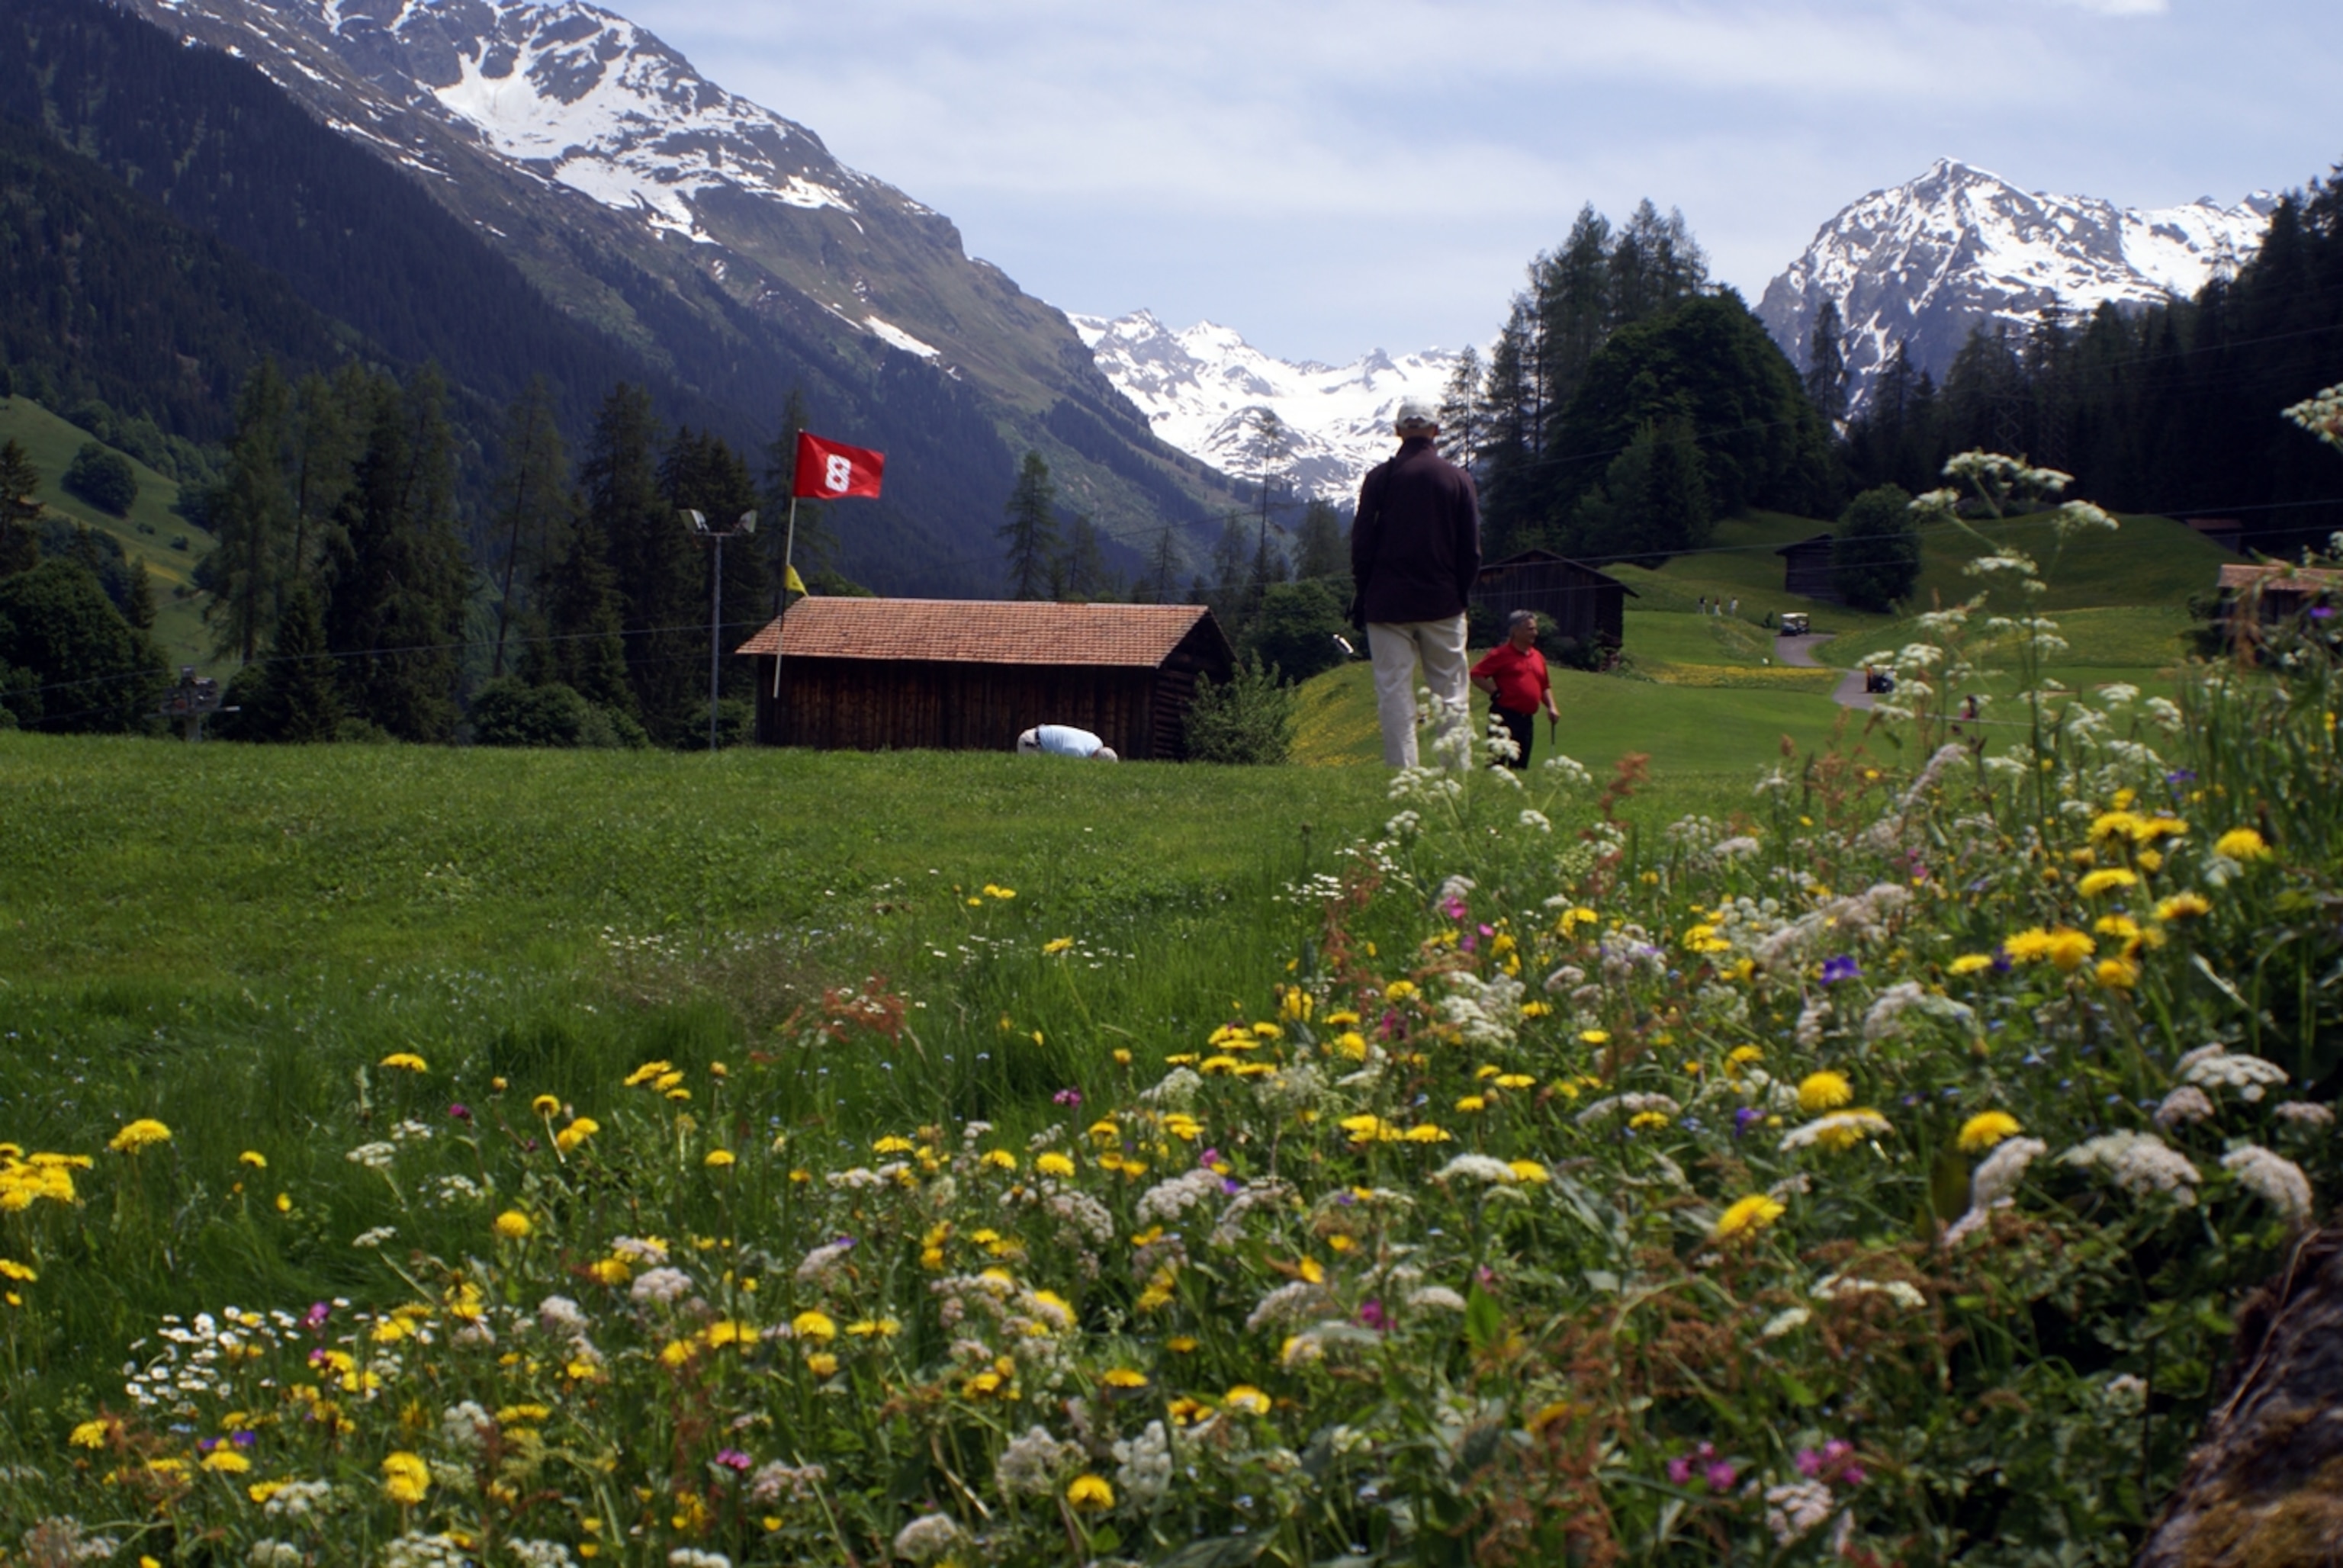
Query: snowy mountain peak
{"points": [[1204, 389], [1926, 261]]}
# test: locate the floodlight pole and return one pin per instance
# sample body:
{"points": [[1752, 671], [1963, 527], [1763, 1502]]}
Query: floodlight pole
{"points": [[698, 523]]}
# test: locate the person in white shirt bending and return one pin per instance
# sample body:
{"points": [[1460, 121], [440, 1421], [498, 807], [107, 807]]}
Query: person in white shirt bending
{"points": [[1065, 741]]}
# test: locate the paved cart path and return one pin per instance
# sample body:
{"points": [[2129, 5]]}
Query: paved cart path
{"points": [[1799, 652]]}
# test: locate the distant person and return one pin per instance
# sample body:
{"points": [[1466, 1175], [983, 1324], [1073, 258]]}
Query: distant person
{"points": [[1064, 740], [1416, 550], [1736, 609], [1514, 674]]}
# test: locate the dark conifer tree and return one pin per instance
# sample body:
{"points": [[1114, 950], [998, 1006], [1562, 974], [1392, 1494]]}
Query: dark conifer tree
{"points": [[400, 578], [701, 473], [577, 628], [1082, 568], [531, 495], [298, 697], [251, 514], [1460, 410], [661, 582], [1321, 554], [1827, 363], [1031, 534]]}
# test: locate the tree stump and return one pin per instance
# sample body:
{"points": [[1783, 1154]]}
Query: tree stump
{"points": [[2264, 1488]]}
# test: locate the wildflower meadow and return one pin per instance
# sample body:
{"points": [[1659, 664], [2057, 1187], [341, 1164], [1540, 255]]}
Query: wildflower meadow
{"points": [[1867, 1167]]}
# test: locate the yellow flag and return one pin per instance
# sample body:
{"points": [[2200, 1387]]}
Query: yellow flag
{"points": [[797, 583]]}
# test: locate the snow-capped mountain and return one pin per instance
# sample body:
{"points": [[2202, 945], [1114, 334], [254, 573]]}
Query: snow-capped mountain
{"points": [[1926, 261], [1204, 389], [633, 191]]}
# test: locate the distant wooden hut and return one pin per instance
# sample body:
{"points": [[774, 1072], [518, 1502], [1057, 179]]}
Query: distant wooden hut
{"points": [[959, 674], [1570, 595], [1806, 569], [2278, 591]]}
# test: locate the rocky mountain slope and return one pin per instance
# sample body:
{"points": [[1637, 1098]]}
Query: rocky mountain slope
{"points": [[1926, 261], [1203, 388], [714, 236]]}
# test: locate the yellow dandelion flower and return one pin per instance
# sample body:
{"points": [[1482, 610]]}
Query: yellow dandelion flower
{"points": [[1528, 1171], [2116, 974], [1090, 1493], [1053, 1164], [2183, 907], [821, 1363], [676, 1352], [731, 1331], [1753, 1212], [406, 1478], [1246, 1398], [813, 1324], [406, 1062], [1594, 1036], [1181, 1345], [1000, 1157], [1825, 1090], [648, 1072], [1648, 1120], [2067, 948], [1745, 1055], [91, 1434], [514, 1226], [545, 1107], [1125, 1378], [718, 1159], [1970, 963], [1515, 1080], [21, 1274], [1399, 990], [226, 1461], [569, 1139], [1985, 1129], [2111, 879], [1472, 1104], [142, 1133], [2242, 844], [254, 1157], [1426, 1133]]}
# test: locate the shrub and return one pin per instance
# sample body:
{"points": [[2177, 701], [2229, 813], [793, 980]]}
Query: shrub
{"points": [[510, 711], [94, 671], [103, 479], [1248, 718]]}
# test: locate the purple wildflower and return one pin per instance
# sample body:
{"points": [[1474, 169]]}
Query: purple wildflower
{"points": [[1372, 1316], [733, 1459], [1842, 968], [1721, 1475], [318, 1312], [1680, 1470], [1745, 1117], [460, 1111], [1068, 1097]]}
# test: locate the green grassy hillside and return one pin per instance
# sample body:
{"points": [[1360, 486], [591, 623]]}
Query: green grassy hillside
{"points": [[152, 533]]}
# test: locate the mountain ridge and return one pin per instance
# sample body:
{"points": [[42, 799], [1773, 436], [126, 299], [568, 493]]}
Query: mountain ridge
{"points": [[1927, 261]]}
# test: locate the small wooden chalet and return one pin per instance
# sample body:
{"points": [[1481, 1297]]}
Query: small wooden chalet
{"points": [[1806, 569], [1573, 598], [962, 675], [2280, 591]]}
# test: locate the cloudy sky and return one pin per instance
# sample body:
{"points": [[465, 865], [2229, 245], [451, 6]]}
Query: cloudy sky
{"points": [[1328, 176]]}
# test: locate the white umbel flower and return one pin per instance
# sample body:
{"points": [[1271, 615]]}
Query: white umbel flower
{"points": [[2273, 1178], [2140, 1163]]}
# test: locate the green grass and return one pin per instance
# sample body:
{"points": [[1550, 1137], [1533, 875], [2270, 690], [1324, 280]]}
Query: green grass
{"points": [[1706, 741], [145, 534]]}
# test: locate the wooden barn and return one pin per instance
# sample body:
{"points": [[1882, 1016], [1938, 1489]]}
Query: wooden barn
{"points": [[970, 675], [1573, 598], [1806, 569], [2279, 591]]}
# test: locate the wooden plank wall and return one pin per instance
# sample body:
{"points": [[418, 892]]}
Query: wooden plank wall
{"points": [[873, 705], [1577, 603]]}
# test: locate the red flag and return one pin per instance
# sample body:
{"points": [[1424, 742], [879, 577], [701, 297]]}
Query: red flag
{"points": [[828, 471]]}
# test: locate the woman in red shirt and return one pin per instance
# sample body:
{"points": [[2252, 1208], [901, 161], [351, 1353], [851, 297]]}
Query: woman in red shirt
{"points": [[1513, 675]]}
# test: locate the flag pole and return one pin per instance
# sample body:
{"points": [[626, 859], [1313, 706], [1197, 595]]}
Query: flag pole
{"points": [[788, 543]]}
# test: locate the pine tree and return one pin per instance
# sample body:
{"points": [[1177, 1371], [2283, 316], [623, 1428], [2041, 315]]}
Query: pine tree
{"points": [[1321, 555], [252, 515], [400, 578], [1030, 533], [1163, 570], [580, 616], [1460, 411], [530, 492], [299, 698], [140, 609], [326, 434], [20, 509], [1827, 363], [1082, 568], [661, 584]]}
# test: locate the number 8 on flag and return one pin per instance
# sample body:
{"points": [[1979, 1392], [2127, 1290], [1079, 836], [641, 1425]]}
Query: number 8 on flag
{"points": [[830, 470]]}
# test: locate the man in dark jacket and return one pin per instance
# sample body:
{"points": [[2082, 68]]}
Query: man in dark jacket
{"points": [[1415, 549]]}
